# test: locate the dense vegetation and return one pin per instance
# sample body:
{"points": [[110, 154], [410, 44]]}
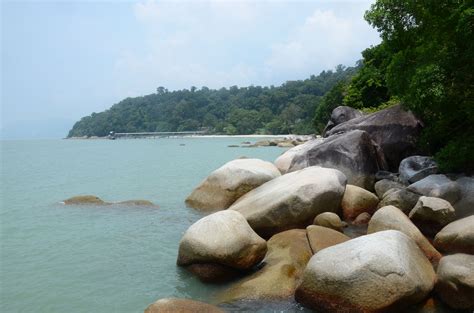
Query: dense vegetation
{"points": [[288, 108], [426, 62]]}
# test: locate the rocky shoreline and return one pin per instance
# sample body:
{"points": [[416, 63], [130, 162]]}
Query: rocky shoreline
{"points": [[277, 231]]}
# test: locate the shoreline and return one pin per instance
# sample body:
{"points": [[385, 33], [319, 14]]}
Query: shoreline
{"points": [[200, 136]]}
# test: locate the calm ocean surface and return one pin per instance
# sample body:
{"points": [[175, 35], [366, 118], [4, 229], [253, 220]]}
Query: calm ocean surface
{"points": [[57, 258]]}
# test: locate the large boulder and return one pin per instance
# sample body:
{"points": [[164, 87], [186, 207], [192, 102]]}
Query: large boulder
{"points": [[322, 237], [229, 182], [465, 205], [457, 237], [292, 200], [392, 218], [438, 186], [219, 245], [175, 305], [329, 220], [415, 168], [455, 284], [357, 200], [395, 130], [353, 153], [372, 273], [384, 185], [340, 115], [403, 199], [287, 256], [283, 162], [431, 214]]}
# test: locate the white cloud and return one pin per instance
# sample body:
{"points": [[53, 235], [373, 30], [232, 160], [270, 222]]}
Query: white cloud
{"points": [[322, 42], [212, 44]]}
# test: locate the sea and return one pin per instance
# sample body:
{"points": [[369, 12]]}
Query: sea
{"points": [[58, 258]]}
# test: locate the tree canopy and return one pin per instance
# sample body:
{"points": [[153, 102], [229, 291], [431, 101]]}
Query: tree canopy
{"points": [[288, 108]]}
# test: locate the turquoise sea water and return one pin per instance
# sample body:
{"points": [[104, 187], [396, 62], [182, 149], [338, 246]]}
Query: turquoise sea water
{"points": [[56, 258]]}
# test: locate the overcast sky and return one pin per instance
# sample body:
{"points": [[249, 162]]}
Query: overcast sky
{"points": [[62, 60]]}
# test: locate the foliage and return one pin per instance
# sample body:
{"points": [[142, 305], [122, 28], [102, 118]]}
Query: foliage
{"points": [[332, 99], [368, 87], [288, 108], [426, 60]]}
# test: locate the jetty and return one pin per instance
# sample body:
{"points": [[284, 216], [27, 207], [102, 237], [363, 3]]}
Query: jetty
{"points": [[113, 135]]}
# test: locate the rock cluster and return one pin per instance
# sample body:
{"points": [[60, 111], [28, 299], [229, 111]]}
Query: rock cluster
{"points": [[385, 259]]}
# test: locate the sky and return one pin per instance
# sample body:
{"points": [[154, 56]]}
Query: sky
{"points": [[62, 60]]}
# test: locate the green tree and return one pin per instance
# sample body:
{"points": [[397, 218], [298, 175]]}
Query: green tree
{"points": [[429, 66]]}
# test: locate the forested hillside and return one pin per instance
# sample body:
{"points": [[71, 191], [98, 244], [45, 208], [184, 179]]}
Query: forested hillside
{"points": [[426, 62], [288, 108]]}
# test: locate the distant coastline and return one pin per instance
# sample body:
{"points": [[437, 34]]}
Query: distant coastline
{"points": [[202, 136]]}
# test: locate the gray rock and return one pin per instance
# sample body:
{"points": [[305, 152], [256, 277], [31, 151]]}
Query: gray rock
{"points": [[229, 182], [283, 162], [431, 214], [353, 153], [455, 284], [386, 175], [391, 218], [438, 186], [415, 168], [329, 220], [372, 273], [403, 199], [457, 237], [340, 115], [465, 205], [382, 186], [292, 200], [218, 244], [395, 130]]}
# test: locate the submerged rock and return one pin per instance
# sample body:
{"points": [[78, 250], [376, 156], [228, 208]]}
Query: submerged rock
{"points": [[457, 237], [288, 253], [372, 273], [357, 200], [85, 200], [144, 203], [286, 144], [322, 237], [353, 153], [395, 130], [175, 305], [431, 214], [229, 182], [392, 218], [292, 200], [415, 168], [219, 245], [329, 220], [465, 205], [455, 284]]}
